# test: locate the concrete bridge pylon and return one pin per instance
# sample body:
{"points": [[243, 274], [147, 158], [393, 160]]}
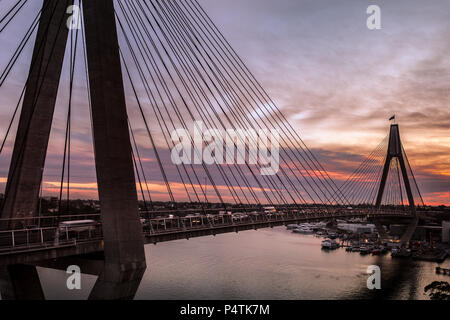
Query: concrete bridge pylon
{"points": [[123, 239]]}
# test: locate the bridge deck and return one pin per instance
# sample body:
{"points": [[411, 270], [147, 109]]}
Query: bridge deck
{"points": [[32, 245]]}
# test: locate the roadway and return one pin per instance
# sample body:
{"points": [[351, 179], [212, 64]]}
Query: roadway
{"points": [[27, 245]]}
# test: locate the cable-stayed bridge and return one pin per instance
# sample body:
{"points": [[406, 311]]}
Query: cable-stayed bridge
{"points": [[152, 70]]}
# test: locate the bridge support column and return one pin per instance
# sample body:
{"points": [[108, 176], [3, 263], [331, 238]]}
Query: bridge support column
{"points": [[20, 282], [395, 150], [27, 163], [381, 231], [122, 229], [123, 286]]}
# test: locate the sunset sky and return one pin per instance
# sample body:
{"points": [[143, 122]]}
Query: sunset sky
{"points": [[334, 79]]}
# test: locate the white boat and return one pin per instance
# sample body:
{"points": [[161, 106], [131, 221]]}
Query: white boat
{"points": [[315, 226], [321, 224], [329, 244], [332, 235], [365, 250], [303, 230]]}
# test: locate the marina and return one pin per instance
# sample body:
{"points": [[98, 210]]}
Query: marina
{"points": [[356, 236]]}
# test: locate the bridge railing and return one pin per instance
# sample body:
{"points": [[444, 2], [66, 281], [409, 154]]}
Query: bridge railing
{"points": [[390, 212], [50, 236], [175, 224], [53, 221], [43, 221], [25, 238]]}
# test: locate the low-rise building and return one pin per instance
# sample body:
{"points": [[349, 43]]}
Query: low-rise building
{"points": [[357, 228], [446, 231]]}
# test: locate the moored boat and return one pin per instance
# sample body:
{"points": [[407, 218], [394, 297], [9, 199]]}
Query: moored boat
{"points": [[329, 244], [332, 235], [365, 250], [376, 252], [400, 252], [303, 230]]}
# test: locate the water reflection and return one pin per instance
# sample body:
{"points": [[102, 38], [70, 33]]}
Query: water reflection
{"points": [[263, 264], [23, 282]]}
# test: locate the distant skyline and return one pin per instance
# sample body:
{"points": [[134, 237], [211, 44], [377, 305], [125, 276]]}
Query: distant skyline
{"points": [[336, 81]]}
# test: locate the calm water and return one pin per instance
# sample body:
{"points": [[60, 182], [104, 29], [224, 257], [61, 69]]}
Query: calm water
{"points": [[263, 264]]}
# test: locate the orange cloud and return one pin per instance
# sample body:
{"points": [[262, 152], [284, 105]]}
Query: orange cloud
{"points": [[438, 198]]}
